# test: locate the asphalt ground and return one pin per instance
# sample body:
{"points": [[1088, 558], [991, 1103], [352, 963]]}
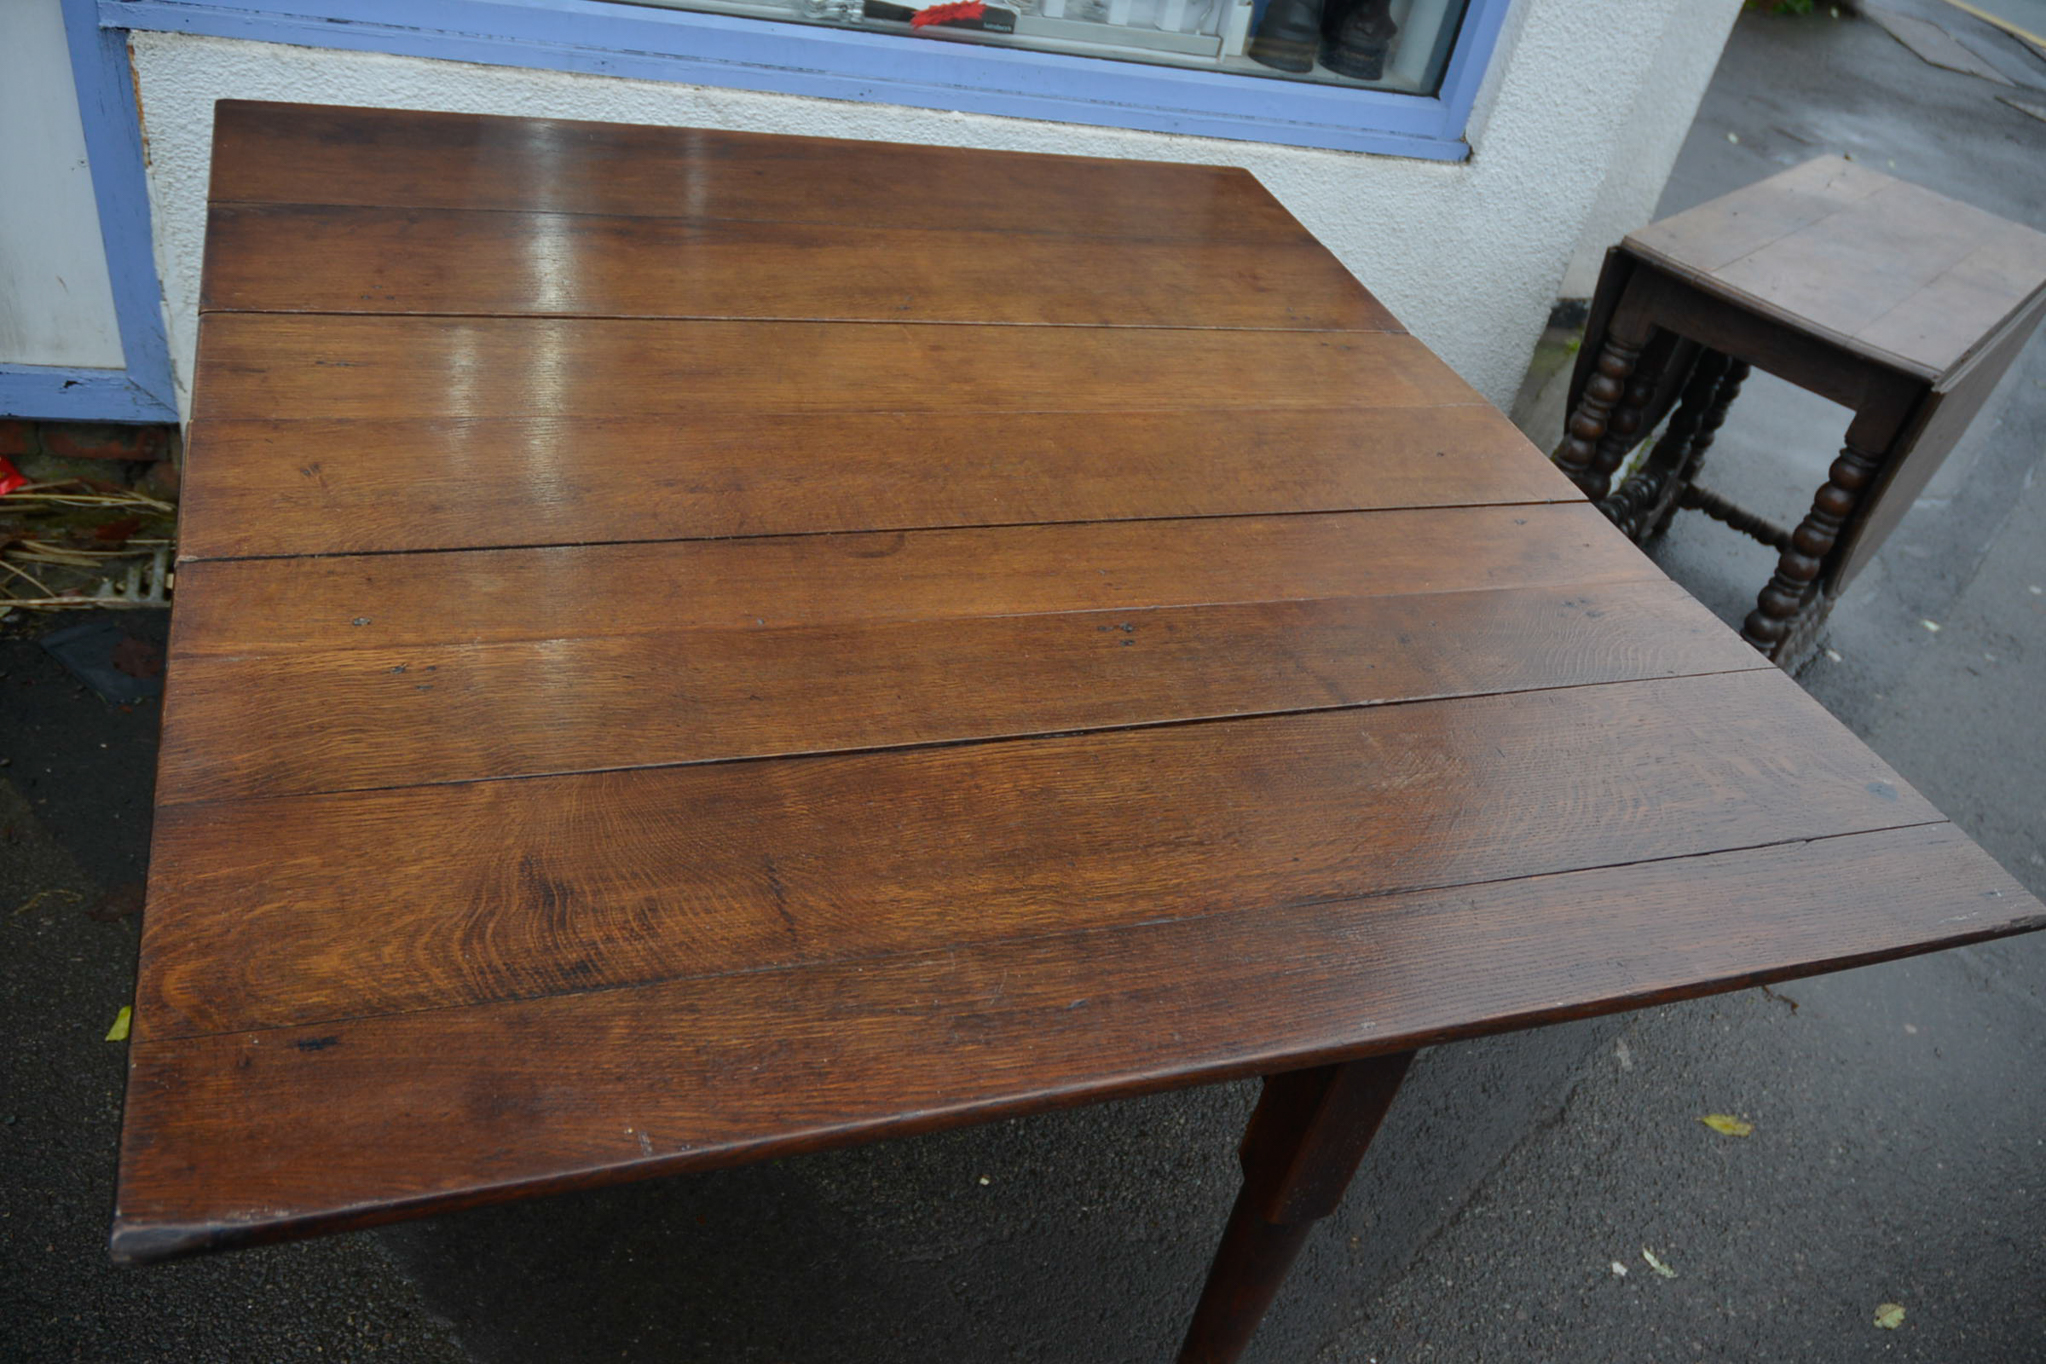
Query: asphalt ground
{"points": [[1898, 1111]]}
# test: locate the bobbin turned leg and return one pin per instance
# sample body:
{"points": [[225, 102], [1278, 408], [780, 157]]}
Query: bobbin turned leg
{"points": [[1589, 434], [1623, 426], [1730, 380], [1686, 478], [1303, 1144], [1633, 505], [1796, 580], [1643, 505]]}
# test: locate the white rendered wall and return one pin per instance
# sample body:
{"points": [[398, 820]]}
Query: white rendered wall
{"points": [[56, 307], [1468, 255], [1650, 138]]}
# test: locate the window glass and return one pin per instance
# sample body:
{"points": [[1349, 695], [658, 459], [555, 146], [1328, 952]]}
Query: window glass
{"points": [[1399, 45]]}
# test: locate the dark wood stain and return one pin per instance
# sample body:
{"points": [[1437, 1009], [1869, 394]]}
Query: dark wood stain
{"points": [[698, 645], [365, 260], [478, 482], [220, 1153], [424, 368], [259, 722]]}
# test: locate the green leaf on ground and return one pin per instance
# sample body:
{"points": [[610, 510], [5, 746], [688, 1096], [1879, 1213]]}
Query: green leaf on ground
{"points": [[1657, 1265], [1726, 1126], [119, 1032], [1889, 1316]]}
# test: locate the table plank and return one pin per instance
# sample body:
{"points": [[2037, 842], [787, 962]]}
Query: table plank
{"points": [[518, 888], [246, 1137], [1715, 234], [353, 719], [294, 258], [392, 601], [262, 487], [390, 158], [1882, 267], [312, 366]]}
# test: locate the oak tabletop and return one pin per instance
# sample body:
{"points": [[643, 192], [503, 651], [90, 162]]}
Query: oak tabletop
{"points": [[692, 646]]}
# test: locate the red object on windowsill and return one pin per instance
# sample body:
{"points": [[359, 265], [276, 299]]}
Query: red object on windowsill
{"points": [[945, 14], [10, 477]]}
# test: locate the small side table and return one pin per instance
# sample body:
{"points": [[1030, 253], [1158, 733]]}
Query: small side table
{"points": [[1898, 303]]}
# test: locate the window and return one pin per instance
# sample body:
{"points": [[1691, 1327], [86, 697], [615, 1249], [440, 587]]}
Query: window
{"points": [[1400, 45], [1207, 68]]}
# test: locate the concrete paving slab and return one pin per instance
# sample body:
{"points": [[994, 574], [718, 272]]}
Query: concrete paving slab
{"points": [[1934, 44]]}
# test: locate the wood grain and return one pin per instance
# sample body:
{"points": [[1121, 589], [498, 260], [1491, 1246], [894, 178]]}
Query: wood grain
{"points": [[1937, 426], [329, 487], [408, 601], [246, 1137], [389, 158], [292, 258], [1720, 231], [265, 364], [523, 888], [1046, 638], [355, 719], [1891, 271]]}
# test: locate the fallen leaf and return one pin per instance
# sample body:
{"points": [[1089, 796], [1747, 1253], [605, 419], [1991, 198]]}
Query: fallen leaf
{"points": [[137, 657], [1657, 1265], [1889, 1316], [120, 902], [119, 1032], [1931, 625], [1619, 1270], [117, 532], [1728, 1126]]}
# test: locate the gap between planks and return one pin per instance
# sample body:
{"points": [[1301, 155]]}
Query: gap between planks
{"points": [[1563, 498], [166, 1040], [824, 321], [1761, 665]]}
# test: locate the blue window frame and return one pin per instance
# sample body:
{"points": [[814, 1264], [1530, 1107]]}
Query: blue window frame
{"points": [[611, 39], [140, 391]]}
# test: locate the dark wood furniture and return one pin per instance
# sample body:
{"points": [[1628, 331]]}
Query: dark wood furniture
{"points": [[693, 646], [1902, 305]]}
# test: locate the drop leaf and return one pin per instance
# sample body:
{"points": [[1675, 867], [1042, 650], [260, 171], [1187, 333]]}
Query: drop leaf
{"points": [[1727, 1126], [1889, 1316], [1657, 1265], [119, 1032]]}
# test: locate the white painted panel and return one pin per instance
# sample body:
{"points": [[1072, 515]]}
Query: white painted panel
{"points": [[56, 307]]}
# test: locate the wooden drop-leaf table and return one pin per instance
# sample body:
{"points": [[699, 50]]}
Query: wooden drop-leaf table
{"points": [[693, 646], [1902, 305]]}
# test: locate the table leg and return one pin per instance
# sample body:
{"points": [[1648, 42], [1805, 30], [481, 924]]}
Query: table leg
{"points": [[1796, 580], [1586, 435], [1299, 1151], [1637, 505]]}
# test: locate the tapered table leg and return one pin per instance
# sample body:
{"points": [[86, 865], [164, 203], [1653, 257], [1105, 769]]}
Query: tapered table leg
{"points": [[1302, 1145]]}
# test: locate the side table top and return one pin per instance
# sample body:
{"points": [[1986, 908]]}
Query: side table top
{"points": [[692, 646], [1889, 270]]}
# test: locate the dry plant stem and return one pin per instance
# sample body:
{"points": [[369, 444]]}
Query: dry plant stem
{"points": [[46, 492], [23, 573], [72, 603], [43, 552]]}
